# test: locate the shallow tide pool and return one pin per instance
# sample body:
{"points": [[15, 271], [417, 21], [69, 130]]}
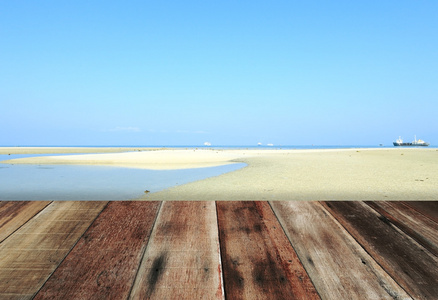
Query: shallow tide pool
{"points": [[81, 182]]}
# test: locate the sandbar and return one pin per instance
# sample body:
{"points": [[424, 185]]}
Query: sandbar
{"points": [[313, 174], [154, 159], [65, 150]]}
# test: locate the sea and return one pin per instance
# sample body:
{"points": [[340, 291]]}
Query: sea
{"points": [[82, 182]]}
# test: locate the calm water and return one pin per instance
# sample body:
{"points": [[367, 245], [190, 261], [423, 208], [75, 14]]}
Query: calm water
{"points": [[73, 182]]}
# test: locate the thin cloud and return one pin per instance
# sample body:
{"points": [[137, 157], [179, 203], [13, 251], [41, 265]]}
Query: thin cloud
{"points": [[125, 129], [190, 131]]}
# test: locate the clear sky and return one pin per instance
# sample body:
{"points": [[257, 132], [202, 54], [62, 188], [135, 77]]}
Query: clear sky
{"points": [[228, 72]]}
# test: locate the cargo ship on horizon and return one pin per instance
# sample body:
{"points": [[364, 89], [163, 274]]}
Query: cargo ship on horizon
{"points": [[416, 142]]}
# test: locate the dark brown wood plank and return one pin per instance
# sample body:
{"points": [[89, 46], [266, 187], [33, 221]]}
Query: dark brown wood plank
{"points": [[336, 263], [13, 214], [427, 208], [416, 225], [258, 260], [104, 262], [410, 264], [32, 253], [182, 260]]}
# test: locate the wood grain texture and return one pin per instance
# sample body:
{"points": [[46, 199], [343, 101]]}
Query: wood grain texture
{"points": [[31, 254], [336, 263], [410, 264], [104, 262], [182, 258], [100, 250], [410, 221], [427, 208], [258, 260], [13, 214]]}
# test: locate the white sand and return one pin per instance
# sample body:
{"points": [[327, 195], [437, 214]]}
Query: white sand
{"points": [[48, 150], [152, 159], [360, 174], [342, 174]]}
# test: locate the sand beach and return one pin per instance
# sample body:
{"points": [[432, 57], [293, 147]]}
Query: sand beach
{"points": [[307, 174]]}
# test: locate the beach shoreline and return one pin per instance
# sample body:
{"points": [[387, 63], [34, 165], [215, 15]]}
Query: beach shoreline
{"points": [[71, 150], [304, 174]]}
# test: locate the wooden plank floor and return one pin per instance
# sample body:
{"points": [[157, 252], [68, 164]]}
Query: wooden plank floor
{"points": [[218, 250], [182, 259], [258, 260]]}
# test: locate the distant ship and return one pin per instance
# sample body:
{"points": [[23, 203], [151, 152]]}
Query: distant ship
{"points": [[416, 142]]}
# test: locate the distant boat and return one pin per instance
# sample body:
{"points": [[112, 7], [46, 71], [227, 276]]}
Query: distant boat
{"points": [[207, 144], [416, 142], [270, 145]]}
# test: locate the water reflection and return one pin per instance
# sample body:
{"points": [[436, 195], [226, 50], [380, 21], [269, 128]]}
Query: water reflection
{"points": [[77, 182]]}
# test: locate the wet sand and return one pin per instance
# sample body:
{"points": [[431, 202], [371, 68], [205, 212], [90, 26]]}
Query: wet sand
{"points": [[335, 174]]}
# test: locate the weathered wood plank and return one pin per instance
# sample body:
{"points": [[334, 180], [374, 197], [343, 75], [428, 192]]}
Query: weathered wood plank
{"points": [[31, 254], [104, 262], [427, 208], [258, 260], [416, 225], [182, 258], [411, 266], [336, 263], [14, 214]]}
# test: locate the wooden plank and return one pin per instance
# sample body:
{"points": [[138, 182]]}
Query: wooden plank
{"points": [[258, 260], [182, 259], [104, 262], [410, 264], [14, 214], [336, 263], [427, 208], [31, 254], [410, 221]]}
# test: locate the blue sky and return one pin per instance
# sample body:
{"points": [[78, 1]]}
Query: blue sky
{"points": [[227, 72]]}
